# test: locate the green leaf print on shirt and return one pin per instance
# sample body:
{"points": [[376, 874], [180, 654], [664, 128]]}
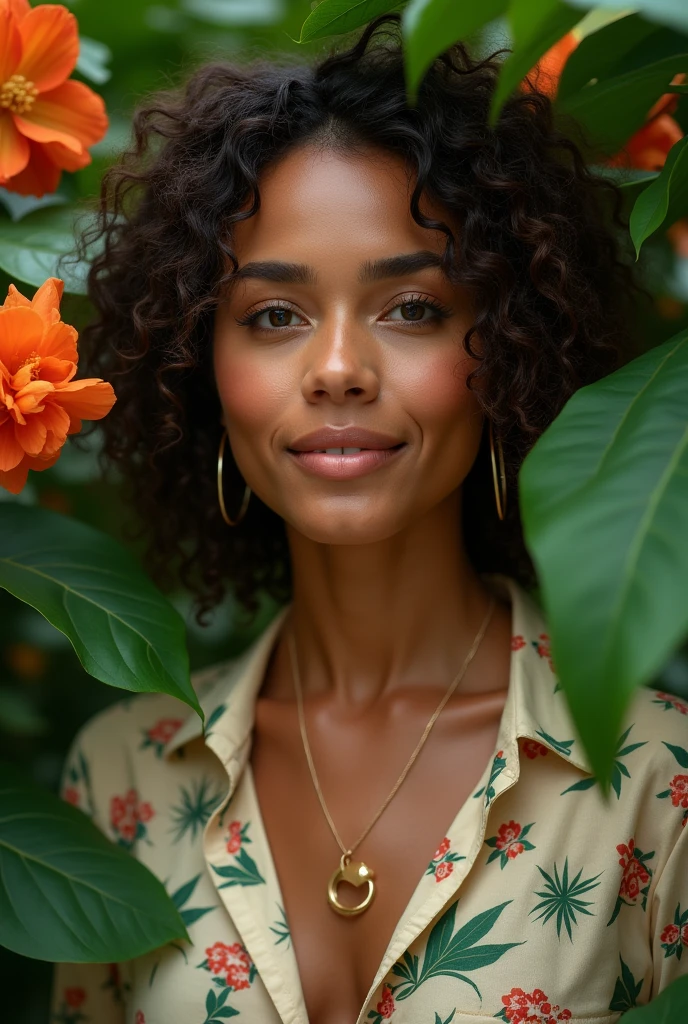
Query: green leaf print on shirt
{"points": [[281, 928], [561, 746], [619, 769], [561, 896], [450, 1018], [215, 1007], [451, 955], [678, 785], [626, 990], [498, 766], [244, 871], [214, 717], [193, 811], [189, 915]]}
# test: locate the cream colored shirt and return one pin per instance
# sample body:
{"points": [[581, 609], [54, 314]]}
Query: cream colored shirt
{"points": [[542, 903]]}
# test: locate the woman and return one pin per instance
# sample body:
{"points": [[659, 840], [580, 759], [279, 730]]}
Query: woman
{"points": [[358, 317]]}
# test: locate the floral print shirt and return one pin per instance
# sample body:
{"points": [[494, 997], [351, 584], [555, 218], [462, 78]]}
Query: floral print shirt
{"points": [[543, 903]]}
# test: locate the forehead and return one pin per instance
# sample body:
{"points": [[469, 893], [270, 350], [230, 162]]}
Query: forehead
{"points": [[323, 206]]}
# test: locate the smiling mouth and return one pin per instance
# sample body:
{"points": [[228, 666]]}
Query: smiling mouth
{"points": [[346, 451], [344, 463]]}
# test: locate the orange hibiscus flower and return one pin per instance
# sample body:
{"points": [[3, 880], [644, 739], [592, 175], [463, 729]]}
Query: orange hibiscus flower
{"points": [[40, 403], [649, 147], [47, 123]]}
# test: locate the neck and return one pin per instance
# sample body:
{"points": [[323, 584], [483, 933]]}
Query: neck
{"points": [[404, 611]]}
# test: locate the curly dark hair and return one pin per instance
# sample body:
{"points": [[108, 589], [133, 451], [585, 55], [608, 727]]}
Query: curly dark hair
{"points": [[536, 247]]}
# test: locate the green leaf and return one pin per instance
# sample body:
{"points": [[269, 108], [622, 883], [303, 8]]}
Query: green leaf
{"points": [[536, 25], [123, 630], [598, 54], [604, 494], [669, 1007], [612, 109], [431, 26], [665, 199], [93, 60], [666, 12], [332, 17], [31, 249], [66, 892]]}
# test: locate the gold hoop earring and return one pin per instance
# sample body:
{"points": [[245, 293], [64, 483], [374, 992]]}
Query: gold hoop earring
{"points": [[220, 495], [498, 481]]}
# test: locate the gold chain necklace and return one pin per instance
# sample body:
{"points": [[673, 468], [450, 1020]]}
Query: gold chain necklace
{"points": [[358, 873]]}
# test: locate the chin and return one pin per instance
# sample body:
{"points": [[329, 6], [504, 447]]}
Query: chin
{"points": [[347, 527]]}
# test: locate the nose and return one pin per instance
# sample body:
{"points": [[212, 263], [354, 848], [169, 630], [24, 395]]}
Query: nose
{"points": [[340, 365]]}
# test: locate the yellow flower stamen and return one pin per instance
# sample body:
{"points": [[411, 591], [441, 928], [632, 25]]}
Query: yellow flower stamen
{"points": [[18, 94]]}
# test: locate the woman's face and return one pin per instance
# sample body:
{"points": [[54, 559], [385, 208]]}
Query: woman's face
{"points": [[342, 321]]}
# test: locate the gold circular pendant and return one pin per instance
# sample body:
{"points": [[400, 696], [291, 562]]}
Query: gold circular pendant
{"points": [[356, 873]]}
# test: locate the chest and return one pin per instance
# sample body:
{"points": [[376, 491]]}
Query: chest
{"points": [[357, 765]]}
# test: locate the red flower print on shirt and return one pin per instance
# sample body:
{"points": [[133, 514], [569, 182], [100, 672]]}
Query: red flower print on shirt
{"points": [[441, 849], [442, 863], [234, 837], [543, 647], [533, 749], [160, 734], [231, 961], [636, 877], [674, 937], [679, 790], [139, 1018], [71, 795], [671, 702], [509, 842], [517, 642], [128, 817], [531, 1008], [74, 997], [386, 1005]]}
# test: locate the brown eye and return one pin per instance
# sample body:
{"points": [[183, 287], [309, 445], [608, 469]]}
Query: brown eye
{"points": [[412, 310], [280, 317]]}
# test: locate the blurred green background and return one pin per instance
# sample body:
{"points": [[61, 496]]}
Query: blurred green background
{"points": [[45, 696]]}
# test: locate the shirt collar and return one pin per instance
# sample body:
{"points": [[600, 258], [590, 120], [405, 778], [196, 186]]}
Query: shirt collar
{"points": [[535, 709]]}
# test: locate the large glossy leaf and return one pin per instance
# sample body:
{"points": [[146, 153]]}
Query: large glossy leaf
{"points": [[604, 497], [31, 249], [123, 630], [431, 26], [332, 17], [612, 109], [536, 25], [665, 12], [66, 892], [669, 1007], [598, 54], [665, 199]]}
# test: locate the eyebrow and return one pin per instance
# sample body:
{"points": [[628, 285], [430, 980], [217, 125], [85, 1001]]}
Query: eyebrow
{"points": [[372, 270]]}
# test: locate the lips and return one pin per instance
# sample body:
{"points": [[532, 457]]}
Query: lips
{"points": [[334, 439]]}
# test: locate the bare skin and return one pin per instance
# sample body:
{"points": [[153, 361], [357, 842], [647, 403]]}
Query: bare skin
{"points": [[386, 603]]}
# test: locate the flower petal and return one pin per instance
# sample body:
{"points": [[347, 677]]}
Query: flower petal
{"points": [[15, 480], [15, 298], [19, 8], [50, 38], [31, 436], [10, 44], [71, 114], [46, 302], [88, 399], [65, 159], [11, 452], [56, 371], [21, 331], [14, 149], [40, 176]]}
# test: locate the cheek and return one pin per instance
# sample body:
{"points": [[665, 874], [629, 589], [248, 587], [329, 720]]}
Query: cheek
{"points": [[438, 398], [250, 391]]}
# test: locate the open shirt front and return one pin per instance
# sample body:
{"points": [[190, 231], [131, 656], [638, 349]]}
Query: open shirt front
{"points": [[543, 903]]}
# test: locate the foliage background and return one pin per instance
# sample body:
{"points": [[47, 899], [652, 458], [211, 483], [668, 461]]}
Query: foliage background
{"points": [[45, 696]]}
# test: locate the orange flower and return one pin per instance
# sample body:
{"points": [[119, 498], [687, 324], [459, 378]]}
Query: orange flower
{"points": [[40, 404], [648, 148], [47, 123]]}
